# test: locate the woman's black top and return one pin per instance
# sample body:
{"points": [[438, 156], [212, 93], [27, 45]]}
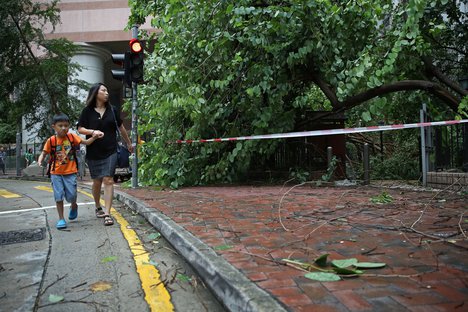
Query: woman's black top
{"points": [[107, 145]]}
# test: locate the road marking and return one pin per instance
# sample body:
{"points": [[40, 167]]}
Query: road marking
{"points": [[44, 188], [8, 194], [41, 208], [156, 294]]}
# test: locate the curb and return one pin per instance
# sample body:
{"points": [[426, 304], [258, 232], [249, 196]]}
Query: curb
{"points": [[235, 291]]}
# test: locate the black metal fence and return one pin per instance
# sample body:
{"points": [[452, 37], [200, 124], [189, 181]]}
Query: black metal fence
{"points": [[451, 147]]}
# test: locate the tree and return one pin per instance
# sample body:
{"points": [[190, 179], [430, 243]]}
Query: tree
{"points": [[34, 71], [226, 69]]}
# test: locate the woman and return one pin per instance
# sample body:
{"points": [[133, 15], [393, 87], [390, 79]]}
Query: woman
{"points": [[100, 117]]}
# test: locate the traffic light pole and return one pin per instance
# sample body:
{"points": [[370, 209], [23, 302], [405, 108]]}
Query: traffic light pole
{"points": [[135, 123]]}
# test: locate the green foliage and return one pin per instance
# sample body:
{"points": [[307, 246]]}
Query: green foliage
{"points": [[402, 162], [330, 170], [7, 132], [299, 174], [224, 68], [463, 108], [382, 198], [35, 72]]}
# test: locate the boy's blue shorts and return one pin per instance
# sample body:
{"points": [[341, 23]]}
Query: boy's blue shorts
{"points": [[64, 186]]}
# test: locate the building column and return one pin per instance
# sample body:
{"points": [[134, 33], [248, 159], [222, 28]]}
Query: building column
{"points": [[92, 59]]}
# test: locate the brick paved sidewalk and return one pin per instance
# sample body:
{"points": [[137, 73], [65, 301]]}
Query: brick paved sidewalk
{"points": [[421, 236]]}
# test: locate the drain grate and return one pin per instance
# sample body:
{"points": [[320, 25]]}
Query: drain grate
{"points": [[22, 236]]}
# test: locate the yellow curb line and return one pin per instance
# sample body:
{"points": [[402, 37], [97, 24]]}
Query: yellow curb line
{"points": [[156, 295]]}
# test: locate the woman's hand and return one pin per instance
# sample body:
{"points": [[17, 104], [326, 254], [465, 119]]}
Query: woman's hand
{"points": [[98, 134], [130, 147]]}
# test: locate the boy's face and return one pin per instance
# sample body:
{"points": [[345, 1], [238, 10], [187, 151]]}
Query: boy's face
{"points": [[61, 128]]}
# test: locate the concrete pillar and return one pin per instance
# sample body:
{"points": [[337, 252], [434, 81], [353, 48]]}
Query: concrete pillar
{"points": [[92, 58]]}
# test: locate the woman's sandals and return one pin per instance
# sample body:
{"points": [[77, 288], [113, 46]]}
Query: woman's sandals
{"points": [[108, 220], [100, 213]]}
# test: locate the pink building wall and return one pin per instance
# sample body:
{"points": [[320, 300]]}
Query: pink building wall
{"points": [[93, 21]]}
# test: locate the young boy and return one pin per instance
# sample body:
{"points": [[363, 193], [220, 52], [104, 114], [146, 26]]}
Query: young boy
{"points": [[62, 148]]}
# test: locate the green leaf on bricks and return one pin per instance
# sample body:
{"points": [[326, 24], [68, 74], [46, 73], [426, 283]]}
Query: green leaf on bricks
{"points": [[223, 247], [344, 263], [322, 260], [369, 265], [347, 271], [323, 276]]}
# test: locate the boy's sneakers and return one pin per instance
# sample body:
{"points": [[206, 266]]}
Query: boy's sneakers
{"points": [[61, 224], [73, 214]]}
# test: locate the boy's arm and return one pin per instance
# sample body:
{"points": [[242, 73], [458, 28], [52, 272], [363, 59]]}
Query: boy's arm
{"points": [[90, 140], [41, 158]]}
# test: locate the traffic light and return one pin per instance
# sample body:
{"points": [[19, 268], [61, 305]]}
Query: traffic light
{"points": [[123, 60], [136, 61]]}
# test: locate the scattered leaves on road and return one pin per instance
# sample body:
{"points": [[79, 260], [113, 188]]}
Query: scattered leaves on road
{"points": [[100, 286], [55, 298], [109, 259]]}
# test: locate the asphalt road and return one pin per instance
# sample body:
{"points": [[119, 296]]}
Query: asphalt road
{"points": [[88, 266]]}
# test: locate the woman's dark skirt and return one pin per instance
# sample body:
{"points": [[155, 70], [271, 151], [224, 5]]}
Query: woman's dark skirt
{"points": [[99, 168]]}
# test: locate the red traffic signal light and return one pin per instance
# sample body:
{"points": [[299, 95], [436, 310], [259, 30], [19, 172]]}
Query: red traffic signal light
{"points": [[135, 46], [136, 61]]}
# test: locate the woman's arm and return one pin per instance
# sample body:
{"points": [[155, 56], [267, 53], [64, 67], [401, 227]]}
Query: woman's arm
{"points": [[91, 132], [124, 134]]}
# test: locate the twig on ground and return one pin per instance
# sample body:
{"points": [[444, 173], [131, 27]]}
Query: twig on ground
{"points": [[427, 204], [57, 280], [79, 285], [279, 205], [261, 257], [395, 275], [103, 243], [460, 222], [93, 303], [296, 267], [29, 285]]}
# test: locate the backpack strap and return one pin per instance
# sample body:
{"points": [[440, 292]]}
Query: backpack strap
{"points": [[53, 148], [73, 149]]}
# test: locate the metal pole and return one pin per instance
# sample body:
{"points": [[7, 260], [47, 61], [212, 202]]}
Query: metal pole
{"points": [[18, 154], [135, 123], [366, 164], [422, 116], [465, 147], [381, 123]]}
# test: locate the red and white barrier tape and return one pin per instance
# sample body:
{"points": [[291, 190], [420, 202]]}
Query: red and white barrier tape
{"points": [[326, 132]]}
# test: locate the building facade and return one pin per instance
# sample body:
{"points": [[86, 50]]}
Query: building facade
{"points": [[97, 28]]}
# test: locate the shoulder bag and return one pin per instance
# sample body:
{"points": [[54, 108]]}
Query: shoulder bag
{"points": [[123, 154]]}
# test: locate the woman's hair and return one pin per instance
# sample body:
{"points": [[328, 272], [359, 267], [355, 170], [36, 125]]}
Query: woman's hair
{"points": [[93, 91]]}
